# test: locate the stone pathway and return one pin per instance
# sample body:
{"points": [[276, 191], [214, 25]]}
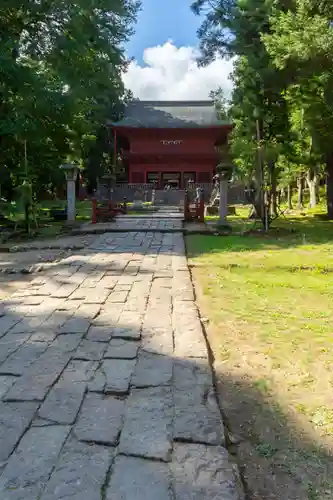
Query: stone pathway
{"points": [[135, 223], [105, 386], [30, 256]]}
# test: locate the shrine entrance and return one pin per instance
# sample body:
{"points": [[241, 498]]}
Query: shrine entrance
{"points": [[176, 180], [172, 179], [170, 143], [188, 179]]}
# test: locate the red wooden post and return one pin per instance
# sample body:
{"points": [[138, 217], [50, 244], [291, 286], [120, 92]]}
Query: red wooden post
{"points": [[94, 211]]}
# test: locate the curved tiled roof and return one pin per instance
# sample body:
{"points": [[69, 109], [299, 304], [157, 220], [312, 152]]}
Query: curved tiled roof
{"points": [[170, 114]]}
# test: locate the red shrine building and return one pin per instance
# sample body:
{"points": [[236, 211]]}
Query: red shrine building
{"points": [[170, 142]]}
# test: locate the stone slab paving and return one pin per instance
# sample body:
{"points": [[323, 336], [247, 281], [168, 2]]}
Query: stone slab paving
{"points": [[161, 214], [28, 260], [106, 391], [159, 223]]}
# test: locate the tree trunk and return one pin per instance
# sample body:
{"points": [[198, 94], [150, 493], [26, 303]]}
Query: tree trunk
{"points": [[278, 197], [318, 191], [313, 194], [300, 193], [27, 219], [273, 191], [329, 185], [258, 205], [312, 181], [98, 187], [289, 197], [259, 176]]}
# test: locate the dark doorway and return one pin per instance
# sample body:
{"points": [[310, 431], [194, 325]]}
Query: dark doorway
{"points": [[173, 179], [189, 177], [153, 178]]}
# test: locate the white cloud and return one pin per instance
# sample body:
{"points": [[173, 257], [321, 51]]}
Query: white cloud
{"points": [[172, 73]]}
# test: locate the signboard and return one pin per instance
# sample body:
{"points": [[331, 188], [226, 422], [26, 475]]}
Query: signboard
{"points": [[169, 143]]}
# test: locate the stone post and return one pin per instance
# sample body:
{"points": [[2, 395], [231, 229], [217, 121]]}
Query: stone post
{"points": [[201, 207], [224, 174], [223, 211], [71, 172]]}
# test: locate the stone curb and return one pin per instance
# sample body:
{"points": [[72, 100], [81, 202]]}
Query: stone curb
{"points": [[18, 249]]}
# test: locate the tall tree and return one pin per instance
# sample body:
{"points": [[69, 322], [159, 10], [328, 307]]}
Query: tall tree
{"points": [[222, 104], [301, 43], [234, 28], [60, 76]]}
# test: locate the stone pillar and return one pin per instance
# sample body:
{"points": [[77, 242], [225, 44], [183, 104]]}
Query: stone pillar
{"points": [[71, 209], [71, 172], [223, 212]]}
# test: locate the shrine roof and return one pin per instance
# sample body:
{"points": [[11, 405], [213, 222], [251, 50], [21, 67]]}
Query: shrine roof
{"points": [[170, 114]]}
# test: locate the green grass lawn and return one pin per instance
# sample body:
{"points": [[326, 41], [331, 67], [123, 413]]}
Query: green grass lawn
{"points": [[269, 300], [83, 208]]}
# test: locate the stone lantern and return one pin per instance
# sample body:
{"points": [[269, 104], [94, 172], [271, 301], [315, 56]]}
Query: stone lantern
{"points": [[224, 172], [71, 171]]}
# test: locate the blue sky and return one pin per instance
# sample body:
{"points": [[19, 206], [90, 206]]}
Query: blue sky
{"points": [[164, 48], [162, 20]]}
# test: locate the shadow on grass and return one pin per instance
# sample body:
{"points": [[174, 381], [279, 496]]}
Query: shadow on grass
{"points": [[277, 458], [284, 234]]}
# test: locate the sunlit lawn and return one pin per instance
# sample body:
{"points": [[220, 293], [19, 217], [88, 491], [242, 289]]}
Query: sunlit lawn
{"points": [[269, 300]]}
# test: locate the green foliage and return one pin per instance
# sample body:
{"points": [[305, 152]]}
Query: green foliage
{"points": [[222, 104], [282, 103], [60, 79], [301, 43], [234, 28]]}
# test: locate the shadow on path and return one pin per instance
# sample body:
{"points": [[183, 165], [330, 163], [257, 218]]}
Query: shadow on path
{"points": [[106, 390]]}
